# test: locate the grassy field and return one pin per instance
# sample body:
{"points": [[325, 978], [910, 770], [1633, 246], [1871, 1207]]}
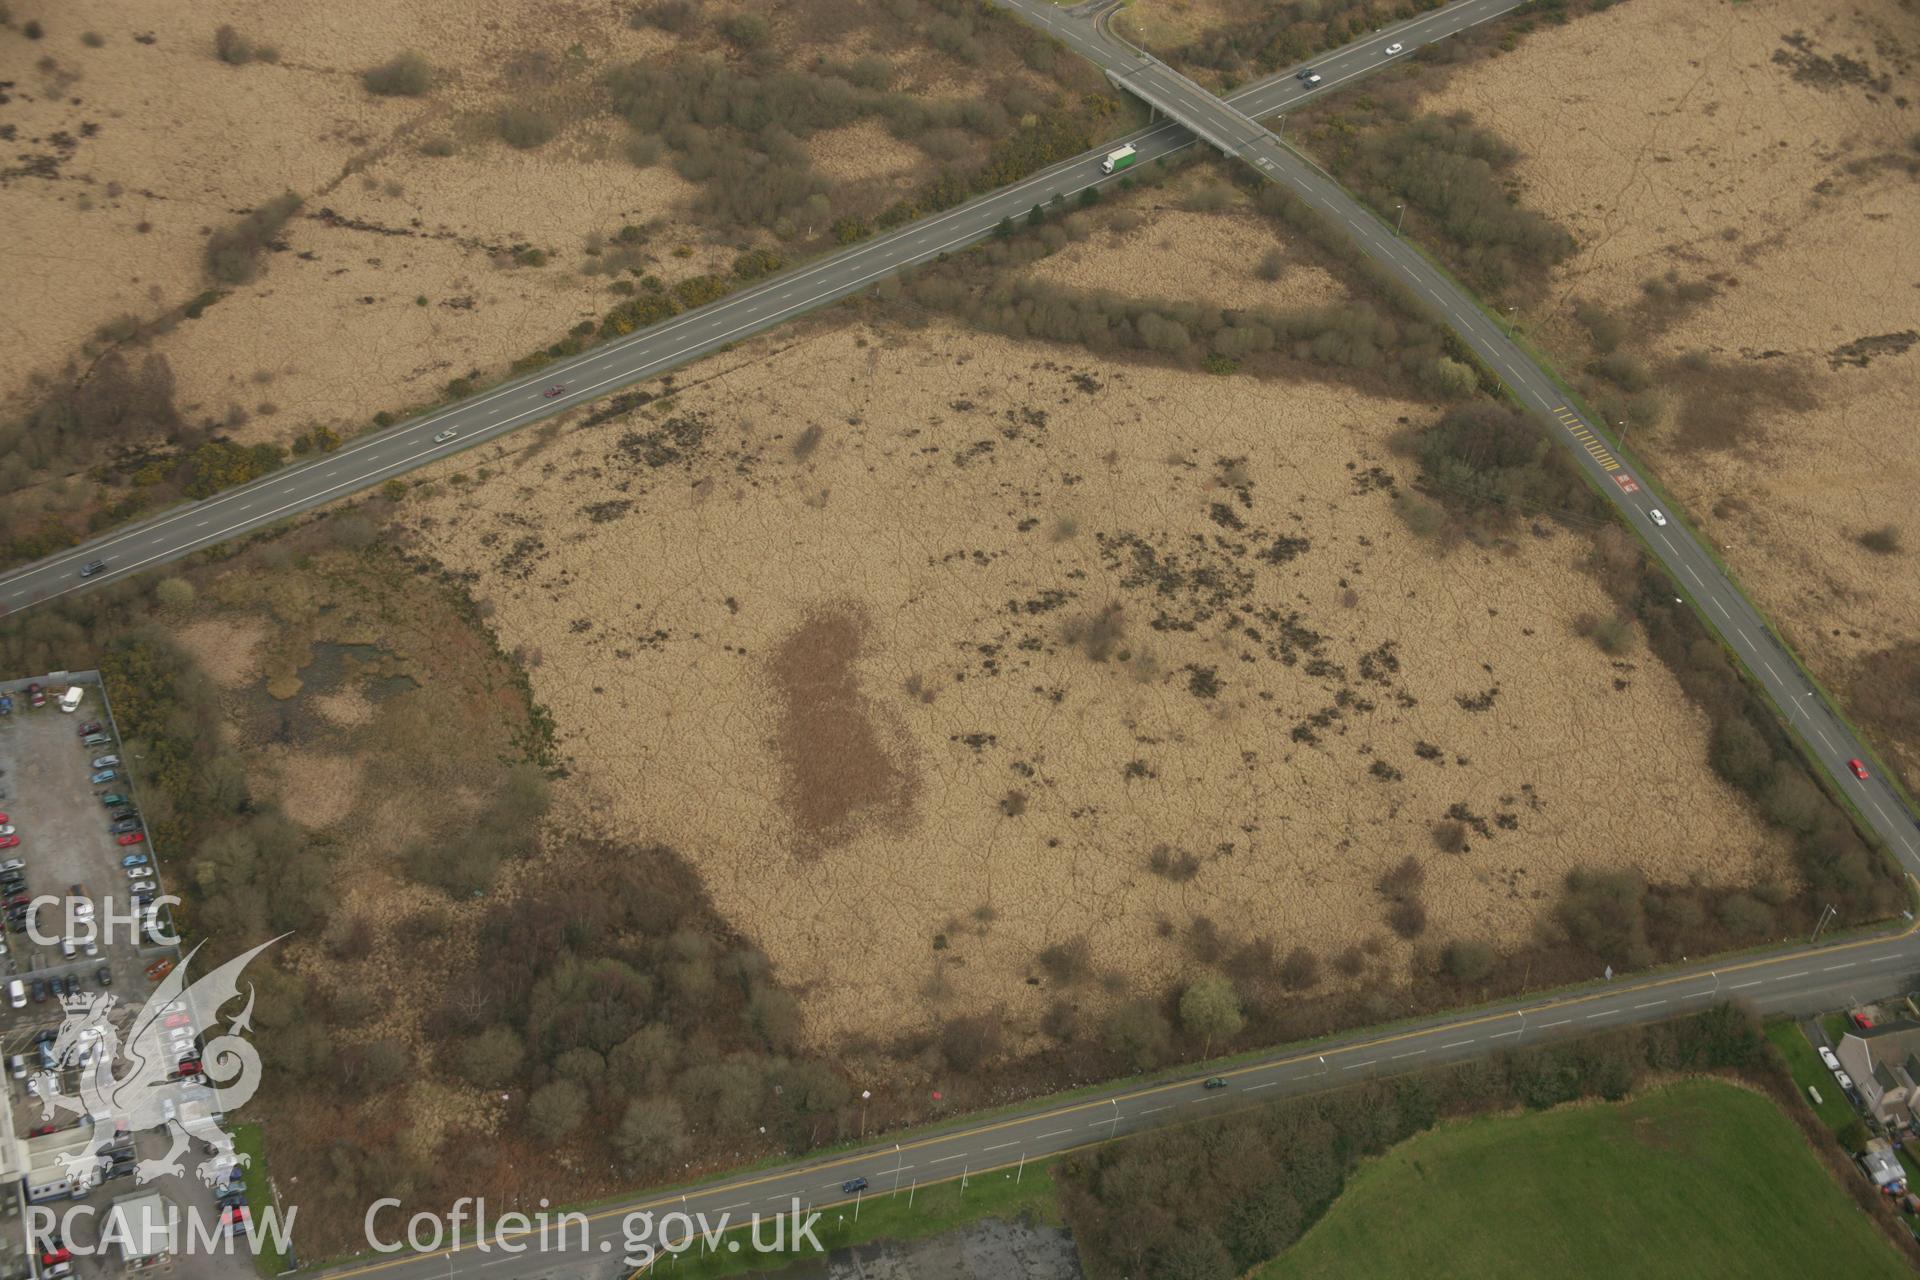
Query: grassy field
{"points": [[891, 1217], [1699, 1178], [248, 1140], [1807, 1069]]}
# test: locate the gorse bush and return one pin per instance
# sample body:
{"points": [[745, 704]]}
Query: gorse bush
{"points": [[232, 255], [405, 75]]}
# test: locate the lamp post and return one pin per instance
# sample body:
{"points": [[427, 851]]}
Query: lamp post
{"points": [[1400, 219], [865, 1095]]}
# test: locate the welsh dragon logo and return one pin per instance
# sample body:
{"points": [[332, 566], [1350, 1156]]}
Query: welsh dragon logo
{"points": [[144, 1097]]}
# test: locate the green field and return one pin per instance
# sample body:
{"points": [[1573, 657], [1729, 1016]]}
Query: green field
{"points": [[1803, 1061], [248, 1140], [1696, 1179], [884, 1216]]}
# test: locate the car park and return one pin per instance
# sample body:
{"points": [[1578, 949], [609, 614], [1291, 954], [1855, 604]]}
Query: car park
{"points": [[131, 837], [105, 775]]}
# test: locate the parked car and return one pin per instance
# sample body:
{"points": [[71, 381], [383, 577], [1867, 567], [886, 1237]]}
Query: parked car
{"points": [[1826, 1056], [12, 864], [123, 826], [105, 775], [143, 886], [6, 828], [39, 990], [105, 762], [36, 696], [20, 900], [9, 842], [91, 726], [6, 704], [113, 798], [131, 837], [104, 975], [1861, 1021], [133, 860], [120, 811], [190, 1066]]}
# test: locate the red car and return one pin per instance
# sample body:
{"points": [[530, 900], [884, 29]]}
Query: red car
{"points": [[1863, 1022], [46, 1129], [132, 837], [54, 1257], [236, 1214], [9, 842], [20, 900], [178, 1020], [1859, 770], [36, 695], [554, 391], [190, 1067]]}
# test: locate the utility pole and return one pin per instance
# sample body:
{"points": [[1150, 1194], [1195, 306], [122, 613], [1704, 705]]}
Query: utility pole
{"points": [[1402, 218], [1826, 912]]}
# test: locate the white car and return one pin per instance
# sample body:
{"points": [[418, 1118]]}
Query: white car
{"points": [[1826, 1056], [445, 436], [1846, 1081], [1394, 49], [13, 864], [6, 829], [1658, 517], [144, 886]]}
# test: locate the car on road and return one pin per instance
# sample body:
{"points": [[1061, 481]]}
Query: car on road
{"points": [[1857, 769], [1393, 50], [133, 860], [852, 1185], [1215, 1082], [559, 388], [1827, 1056], [92, 567], [130, 837], [445, 436], [1658, 517], [1308, 76], [105, 775], [105, 762]]}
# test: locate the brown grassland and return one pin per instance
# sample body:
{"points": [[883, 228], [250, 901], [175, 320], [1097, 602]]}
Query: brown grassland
{"points": [[1775, 169]]}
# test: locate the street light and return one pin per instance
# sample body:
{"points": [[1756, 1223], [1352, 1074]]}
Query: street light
{"points": [[865, 1094], [1400, 219]]}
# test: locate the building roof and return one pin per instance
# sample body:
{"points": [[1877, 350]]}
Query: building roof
{"points": [[141, 1225]]}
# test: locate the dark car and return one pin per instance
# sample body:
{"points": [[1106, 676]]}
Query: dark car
{"points": [[104, 975], [854, 1184], [90, 727], [124, 825], [1308, 75], [122, 811], [92, 567], [39, 990], [1215, 1082], [232, 1198]]}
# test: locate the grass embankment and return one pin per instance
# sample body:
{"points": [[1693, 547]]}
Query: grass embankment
{"points": [[1804, 1062], [886, 1216], [1697, 1178], [249, 1141]]}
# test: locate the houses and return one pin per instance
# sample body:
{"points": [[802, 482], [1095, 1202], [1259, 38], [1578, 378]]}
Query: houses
{"points": [[1884, 1062]]}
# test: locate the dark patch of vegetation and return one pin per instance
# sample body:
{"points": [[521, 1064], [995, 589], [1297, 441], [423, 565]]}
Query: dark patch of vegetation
{"points": [[232, 255], [524, 128], [405, 75]]}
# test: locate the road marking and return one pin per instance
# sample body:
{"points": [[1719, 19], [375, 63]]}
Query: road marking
{"points": [[1357, 1065], [943, 1159], [1150, 1110], [1057, 1133], [1605, 1013], [1457, 1044], [1651, 1004], [726, 1208], [1548, 1026], [1741, 986], [1801, 973], [1886, 959], [1698, 995], [999, 1146], [1267, 1085], [1501, 1035], [1832, 967], [1412, 1053]]}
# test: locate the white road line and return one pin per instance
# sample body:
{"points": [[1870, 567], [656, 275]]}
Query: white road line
{"points": [[725, 1208], [1057, 1133], [1609, 1013], [961, 1156], [1651, 1004], [1267, 1085], [1457, 1044], [1357, 1065], [1801, 973], [1150, 1110], [1698, 995], [1832, 967], [1886, 959], [1742, 986], [1001, 1146], [1722, 608], [1548, 1026], [1501, 1035], [1411, 1053]]}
